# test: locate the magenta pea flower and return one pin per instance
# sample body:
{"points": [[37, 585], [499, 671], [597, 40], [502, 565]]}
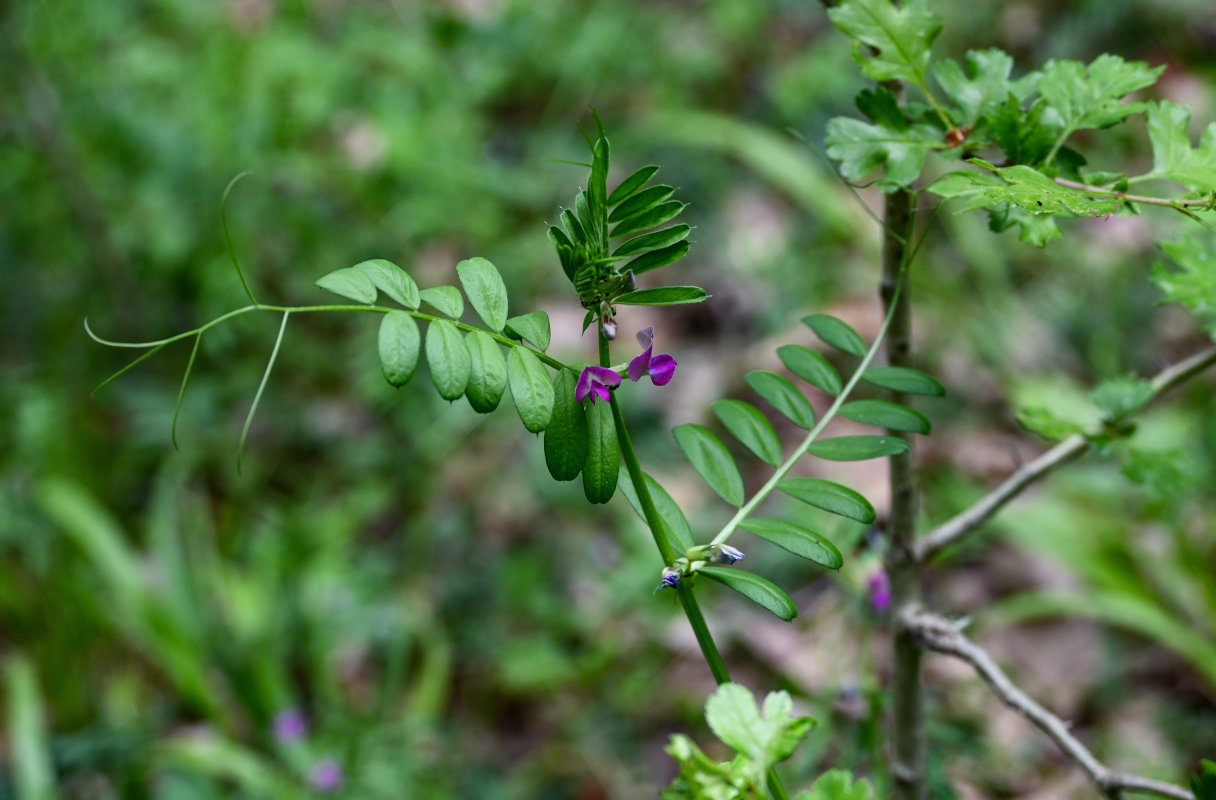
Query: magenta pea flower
{"points": [[596, 381], [660, 368], [326, 776], [879, 589], [290, 725]]}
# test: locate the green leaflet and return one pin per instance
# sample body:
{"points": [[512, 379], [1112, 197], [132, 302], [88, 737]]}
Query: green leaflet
{"points": [[444, 299], [796, 539], [350, 283], [857, 448], [631, 185], [532, 327], [760, 591], [663, 296], [659, 258], [884, 414], [487, 372], [811, 366], [602, 466], [978, 87], [400, 345], [392, 280], [449, 359], [653, 241], [712, 460], [783, 395], [641, 202], [679, 532], [831, 497], [837, 333], [749, 426], [485, 290], [531, 388], [566, 435], [904, 379], [651, 218]]}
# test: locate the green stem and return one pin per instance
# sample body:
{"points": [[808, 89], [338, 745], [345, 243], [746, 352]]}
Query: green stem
{"points": [[688, 599]]}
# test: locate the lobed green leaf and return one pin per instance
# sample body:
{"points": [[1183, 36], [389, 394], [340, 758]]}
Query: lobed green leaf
{"points": [[811, 366], [861, 147], [884, 414], [487, 372], [444, 299], [712, 460], [350, 283], [760, 591], [400, 345], [837, 333], [857, 448], [796, 539], [831, 497], [531, 388], [392, 280], [566, 434], [486, 291], [749, 426], [449, 359], [899, 38], [784, 396], [1173, 157]]}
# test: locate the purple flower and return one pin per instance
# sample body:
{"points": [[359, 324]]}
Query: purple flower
{"points": [[596, 381], [671, 578], [290, 725], [326, 776], [879, 587], [660, 368]]}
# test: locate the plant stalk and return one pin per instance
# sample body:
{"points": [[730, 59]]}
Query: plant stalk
{"points": [[688, 599], [903, 569]]}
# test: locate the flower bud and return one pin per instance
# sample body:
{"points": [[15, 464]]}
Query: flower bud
{"points": [[671, 578], [725, 554], [609, 326]]}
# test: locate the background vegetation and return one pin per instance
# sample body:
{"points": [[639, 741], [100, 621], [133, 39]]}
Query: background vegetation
{"points": [[449, 621]]}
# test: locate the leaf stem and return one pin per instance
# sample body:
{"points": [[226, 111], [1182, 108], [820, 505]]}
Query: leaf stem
{"points": [[1147, 200], [274, 354]]}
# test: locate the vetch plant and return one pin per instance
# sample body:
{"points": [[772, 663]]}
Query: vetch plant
{"points": [[606, 244]]}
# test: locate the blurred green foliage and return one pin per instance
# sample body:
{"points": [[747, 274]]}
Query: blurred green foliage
{"points": [[450, 626]]}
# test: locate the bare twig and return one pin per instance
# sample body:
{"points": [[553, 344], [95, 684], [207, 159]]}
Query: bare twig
{"points": [[964, 523], [935, 632]]}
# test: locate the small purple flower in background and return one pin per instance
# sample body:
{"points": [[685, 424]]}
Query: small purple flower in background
{"points": [[596, 381], [660, 368], [725, 554], [290, 725], [879, 588], [326, 776]]}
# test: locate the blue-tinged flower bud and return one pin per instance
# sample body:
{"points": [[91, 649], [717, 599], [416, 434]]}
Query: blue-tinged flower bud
{"points": [[671, 578], [609, 327], [725, 554]]}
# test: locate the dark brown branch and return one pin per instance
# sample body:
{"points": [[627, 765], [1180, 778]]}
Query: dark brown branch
{"points": [[964, 523], [935, 632]]}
